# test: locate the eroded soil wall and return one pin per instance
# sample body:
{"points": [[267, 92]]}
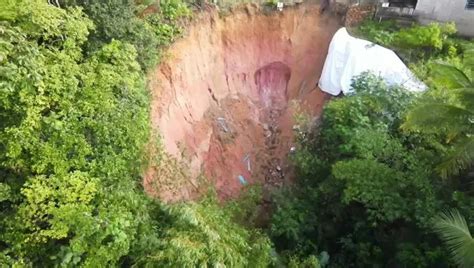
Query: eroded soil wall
{"points": [[224, 98]]}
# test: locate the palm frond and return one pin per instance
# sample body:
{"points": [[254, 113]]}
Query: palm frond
{"points": [[466, 97], [433, 117], [453, 230], [450, 76], [469, 57], [459, 159]]}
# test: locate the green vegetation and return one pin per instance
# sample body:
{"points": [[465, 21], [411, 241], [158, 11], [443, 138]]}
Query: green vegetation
{"points": [[451, 116], [412, 43], [366, 193], [126, 21], [74, 123], [201, 235], [372, 182], [271, 3], [453, 229], [375, 176]]}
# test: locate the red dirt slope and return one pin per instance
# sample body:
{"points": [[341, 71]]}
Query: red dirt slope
{"points": [[222, 99]]}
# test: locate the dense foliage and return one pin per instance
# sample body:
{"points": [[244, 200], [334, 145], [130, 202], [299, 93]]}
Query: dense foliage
{"points": [[74, 121], [367, 191], [385, 162], [74, 124], [135, 24], [204, 234], [451, 116], [413, 43]]}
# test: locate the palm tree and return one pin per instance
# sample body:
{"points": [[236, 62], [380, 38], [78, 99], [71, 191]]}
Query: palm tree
{"points": [[454, 118], [453, 230]]}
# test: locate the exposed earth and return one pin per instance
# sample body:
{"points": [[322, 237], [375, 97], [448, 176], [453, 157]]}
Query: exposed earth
{"points": [[224, 98]]}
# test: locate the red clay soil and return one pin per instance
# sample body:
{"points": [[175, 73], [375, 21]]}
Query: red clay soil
{"points": [[223, 99]]}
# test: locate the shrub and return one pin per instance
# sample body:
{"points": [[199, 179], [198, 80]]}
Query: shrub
{"points": [[381, 33], [118, 20], [364, 187], [73, 127], [432, 36], [201, 234], [415, 44]]}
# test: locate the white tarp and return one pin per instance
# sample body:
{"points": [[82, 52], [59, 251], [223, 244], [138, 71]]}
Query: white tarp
{"points": [[349, 56]]}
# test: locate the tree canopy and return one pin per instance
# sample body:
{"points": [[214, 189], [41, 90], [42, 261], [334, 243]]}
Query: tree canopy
{"points": [[372, 180], [74, 122]]}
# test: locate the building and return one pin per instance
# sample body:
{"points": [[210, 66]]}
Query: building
{"points": [[459, 11], [425, 11]]}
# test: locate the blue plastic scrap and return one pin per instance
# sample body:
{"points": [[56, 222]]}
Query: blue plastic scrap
{"points": [[242, 180]]}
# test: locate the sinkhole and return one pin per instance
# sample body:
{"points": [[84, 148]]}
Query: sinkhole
{"points": [[224, 97]]}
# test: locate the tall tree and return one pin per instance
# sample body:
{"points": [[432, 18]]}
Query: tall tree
{"points": [[454, 117]]}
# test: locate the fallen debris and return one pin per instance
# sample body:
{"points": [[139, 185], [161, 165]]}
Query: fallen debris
{"points": [[221, 121], [242, 180], [292, 150], [247, 161]]}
